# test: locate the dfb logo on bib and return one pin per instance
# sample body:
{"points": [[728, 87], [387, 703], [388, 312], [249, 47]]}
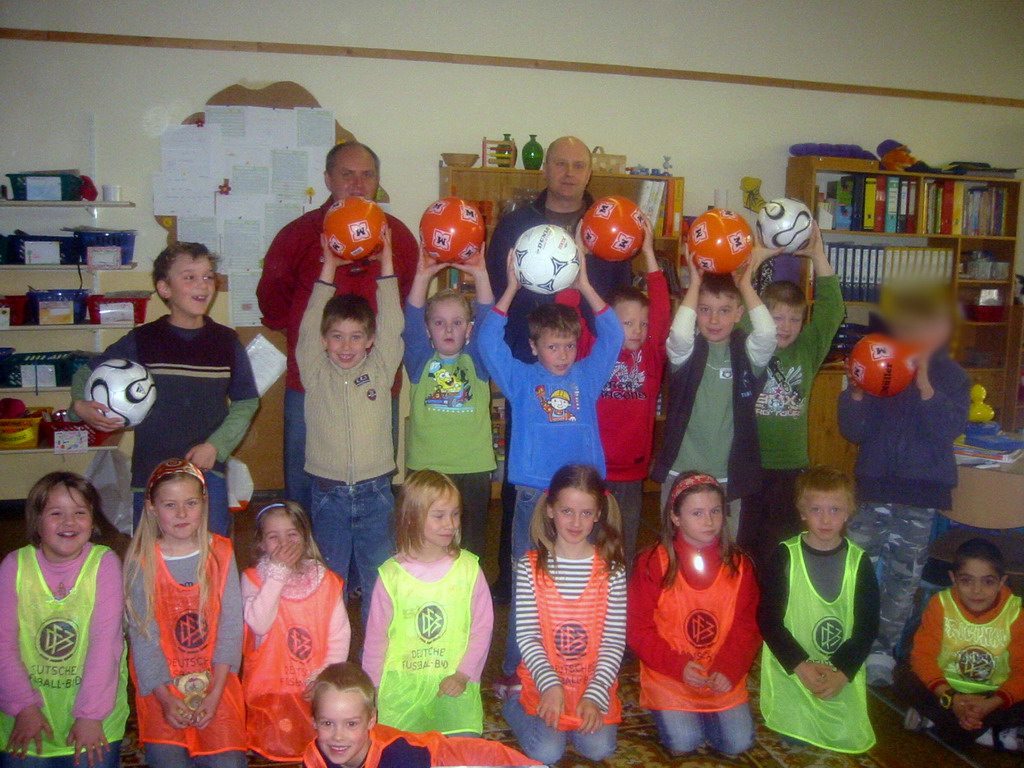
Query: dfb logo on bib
{"points": [[430, 622], [828, 635], [300, 643], [701, 628], [571, 640], [190, 631], [58, 639], [975, 664]]}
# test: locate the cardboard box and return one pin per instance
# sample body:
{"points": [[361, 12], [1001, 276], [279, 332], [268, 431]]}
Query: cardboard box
{"points": [[990, 498]]}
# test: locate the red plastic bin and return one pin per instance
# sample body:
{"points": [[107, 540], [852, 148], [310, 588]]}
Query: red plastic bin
{"points": [[93, 304], [17, 305]]}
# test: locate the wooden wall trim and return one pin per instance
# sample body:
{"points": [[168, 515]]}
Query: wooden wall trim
{"points": [[438, 57]]}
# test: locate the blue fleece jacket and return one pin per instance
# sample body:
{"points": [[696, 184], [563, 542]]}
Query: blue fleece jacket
{"points": [[906, 443], [556, 416]]}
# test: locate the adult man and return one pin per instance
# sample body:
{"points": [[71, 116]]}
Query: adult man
{"points": [[292, 265]]}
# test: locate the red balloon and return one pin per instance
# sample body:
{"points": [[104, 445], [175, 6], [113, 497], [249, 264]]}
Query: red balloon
{"points": [[719, 241], [881, 366], [452, 230], [353, 227], [613, 228]]}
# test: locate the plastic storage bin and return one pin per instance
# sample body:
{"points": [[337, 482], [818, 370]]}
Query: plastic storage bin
{"points": [[70, 185], [76, 296], [123, 239], [43, 369], [58, 421], [97, 302], [17, 305], [23, 432], [16, 243]]}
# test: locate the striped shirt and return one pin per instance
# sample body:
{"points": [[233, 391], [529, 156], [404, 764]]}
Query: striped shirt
{"points": [[571, 577]]}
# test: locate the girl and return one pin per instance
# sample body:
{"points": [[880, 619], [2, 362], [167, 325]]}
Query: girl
{"points": [[571, 621], [430, 617], [63, 678], [287, 600], [185, 627], [693, 624]]}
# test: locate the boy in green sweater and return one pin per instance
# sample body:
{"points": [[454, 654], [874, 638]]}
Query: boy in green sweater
{"points": [[770, 516]]}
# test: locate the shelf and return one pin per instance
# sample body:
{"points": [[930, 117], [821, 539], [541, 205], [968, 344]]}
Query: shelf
{"points": [[995, 324], [918, 235], [70, 327], [4, 391], [110, 445], [65, 204], [983, 282], [65, 267], [971, 369]]}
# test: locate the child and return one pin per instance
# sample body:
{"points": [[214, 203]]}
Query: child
{"points": [[629, 401], [349, 451], [555, 404], [450, 401], [207, 393], [63, 677], [693, 624], [819, 616], [905, 468], [430, 617], [967, 665], [349, 736], [185, 627], [295, 625], [710, 425], [571, 621], [769, 516]]}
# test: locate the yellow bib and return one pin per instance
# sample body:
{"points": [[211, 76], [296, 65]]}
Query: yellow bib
{"points": [[975, 657]]}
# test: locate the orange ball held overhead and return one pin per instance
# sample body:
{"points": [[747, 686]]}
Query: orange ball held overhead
{"points": [[881, 366], [353, 228], [719, 241], [613, 228], [452, 230]]}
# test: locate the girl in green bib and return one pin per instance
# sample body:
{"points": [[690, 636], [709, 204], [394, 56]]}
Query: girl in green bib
{"points": [[63, 678]]}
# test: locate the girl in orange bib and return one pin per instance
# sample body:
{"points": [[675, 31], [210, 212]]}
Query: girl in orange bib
{"points": [[570, 621], [295, 625], [693, 624], [184, 627]]}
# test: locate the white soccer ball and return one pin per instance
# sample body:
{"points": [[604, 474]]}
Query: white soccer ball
{"points": [[546, 259], [784, 223], [125, 390]]}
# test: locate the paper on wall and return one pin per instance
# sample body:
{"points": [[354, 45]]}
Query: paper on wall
{"points": [[250, 180], [191, 150], [242, 244], [175, 195], [245, 308], [199, 230], [314, 127], [231, 121], [267, 127], [290, 173], [268, 362]]}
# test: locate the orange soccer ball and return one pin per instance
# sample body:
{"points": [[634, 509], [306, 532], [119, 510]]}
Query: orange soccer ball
{"points": [[452, 230], [719, 241], [613, 228], [881, 366], [353, 228]]}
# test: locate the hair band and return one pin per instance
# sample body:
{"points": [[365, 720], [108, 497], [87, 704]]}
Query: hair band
{"points": [[690, 482], [174, 467], [268, 507]]}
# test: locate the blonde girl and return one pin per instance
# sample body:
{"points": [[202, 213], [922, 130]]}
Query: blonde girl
{"points": [[693, 624], [430, 620], [184, 627], [295, 625], [63, 678], [570, 621]]}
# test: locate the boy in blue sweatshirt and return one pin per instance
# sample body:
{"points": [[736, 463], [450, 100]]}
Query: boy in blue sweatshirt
{"points": [[905, 468], [554, 400]]}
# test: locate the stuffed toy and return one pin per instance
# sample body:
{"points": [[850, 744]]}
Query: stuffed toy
{"points": [[831, 150], [896, 156]]}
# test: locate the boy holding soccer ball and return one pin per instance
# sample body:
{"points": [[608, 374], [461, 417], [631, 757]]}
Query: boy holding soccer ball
{"points": [[206, 393], [554, 399]]}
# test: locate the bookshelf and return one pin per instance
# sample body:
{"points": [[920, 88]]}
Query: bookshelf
{"points": [[959, 230]]}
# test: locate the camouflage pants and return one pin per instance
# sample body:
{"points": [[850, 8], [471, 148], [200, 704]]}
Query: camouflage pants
{"points": [[896, 538]]}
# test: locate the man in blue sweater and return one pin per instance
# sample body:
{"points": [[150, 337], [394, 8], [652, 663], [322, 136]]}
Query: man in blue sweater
{"points": [[905, 469], [555, 400]]}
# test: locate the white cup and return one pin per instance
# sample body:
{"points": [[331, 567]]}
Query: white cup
{"points": [[111, 193]]}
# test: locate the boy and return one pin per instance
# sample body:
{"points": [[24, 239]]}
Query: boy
{"points": [[349, 452], [555, 402], [769, 516], [818, 616], [905, 468], [710, 426], [450, 401], [966, 673], [348, 735], [629, 401], [206, 393]]}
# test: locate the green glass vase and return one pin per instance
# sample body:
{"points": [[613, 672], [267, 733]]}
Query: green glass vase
{"points": [[533, 154]]}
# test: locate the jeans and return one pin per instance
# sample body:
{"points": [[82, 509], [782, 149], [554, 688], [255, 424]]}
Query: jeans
{"points": [[475, 489], [630, 496], [729, 731], [111, 760], [217, 498], [174, 756], [526, 500], [355, 524], [547, 745], [298, 484]]}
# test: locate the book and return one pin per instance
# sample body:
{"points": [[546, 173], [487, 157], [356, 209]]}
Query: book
{"points": [[868, 215], [651, 194], [844, 203], [946, 209], [901, 215], [957, 225], [892, 203], [912, 207], [857, 213], [881, 193]]}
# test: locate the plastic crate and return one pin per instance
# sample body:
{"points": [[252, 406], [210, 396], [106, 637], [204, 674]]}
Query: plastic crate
{"points": [[23, 432], [17, 305], [64, 365], [68, 245], [58, 421], [123, 239], [76, 296], [97, 302], [70, 185]]}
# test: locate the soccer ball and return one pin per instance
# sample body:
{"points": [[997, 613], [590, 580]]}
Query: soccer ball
{"points": [[719, 241], [613, 228], [881, 366], [784, 223], [124, 389], [354, 227], [546, 259], [452, 230]]}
